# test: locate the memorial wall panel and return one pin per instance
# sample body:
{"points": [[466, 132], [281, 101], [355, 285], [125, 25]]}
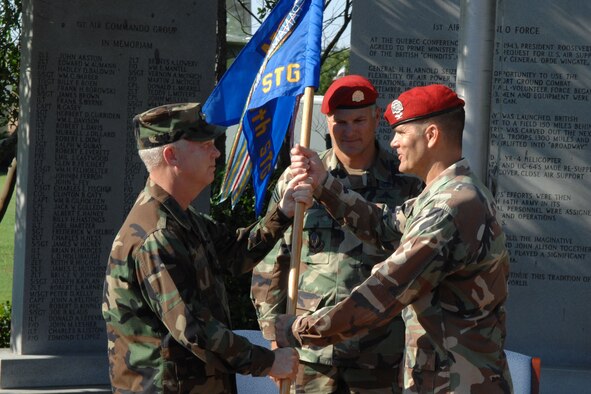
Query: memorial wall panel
{"points": [[92, 68], [540, 171], [539, 157], [402, 44]]}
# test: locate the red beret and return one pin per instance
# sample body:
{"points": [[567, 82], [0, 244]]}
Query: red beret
{"points": [[350, 91], [422, 102]]}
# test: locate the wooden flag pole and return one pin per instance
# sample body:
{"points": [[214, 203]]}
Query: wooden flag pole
{"points": [[298, 223]]}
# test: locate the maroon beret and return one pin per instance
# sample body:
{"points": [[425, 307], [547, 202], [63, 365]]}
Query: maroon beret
{"points": [[422, 102], [348, 92]]}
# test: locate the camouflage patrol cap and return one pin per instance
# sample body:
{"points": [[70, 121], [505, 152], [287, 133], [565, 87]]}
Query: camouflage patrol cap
{"points": [[169, 123]]}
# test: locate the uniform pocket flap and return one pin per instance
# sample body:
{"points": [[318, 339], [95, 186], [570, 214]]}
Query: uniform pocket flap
{"points": [[317, 218], [308, 302]]}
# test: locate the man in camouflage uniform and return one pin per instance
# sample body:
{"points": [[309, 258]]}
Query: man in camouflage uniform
{"points": [[165, 305], [334, 261], [449, 275]]}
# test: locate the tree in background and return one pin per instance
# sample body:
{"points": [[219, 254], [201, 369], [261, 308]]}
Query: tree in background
{"points": [[10, 34], [334, 60], [334, 26]]}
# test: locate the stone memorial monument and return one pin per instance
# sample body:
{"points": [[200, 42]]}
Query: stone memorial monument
{"points": [[88, 67], [540, 171], [538, 159], [401, 44]]}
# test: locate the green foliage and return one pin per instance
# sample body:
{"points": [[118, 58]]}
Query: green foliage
{"points": [[5, 324], [10, 34], [6, 264], [243, 214], [7, 247], [241, 309], [337, 60], [266, 8]]}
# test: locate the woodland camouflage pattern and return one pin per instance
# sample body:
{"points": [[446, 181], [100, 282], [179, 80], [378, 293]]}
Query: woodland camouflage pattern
{"points": [[165, 305], [334, 261], [450, 273]]}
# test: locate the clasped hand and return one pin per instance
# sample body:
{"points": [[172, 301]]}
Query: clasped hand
{"points": [[299, 190], [306, 161]]}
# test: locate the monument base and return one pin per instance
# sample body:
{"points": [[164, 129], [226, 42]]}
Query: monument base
{"points": [[20, 371], [60, 390], [554, 380]]}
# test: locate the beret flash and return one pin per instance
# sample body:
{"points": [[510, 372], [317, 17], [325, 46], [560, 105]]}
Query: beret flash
{"points": [[348, 92], [422, 102]]}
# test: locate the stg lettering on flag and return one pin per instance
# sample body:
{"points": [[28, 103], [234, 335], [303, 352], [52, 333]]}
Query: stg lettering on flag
{"points": [[292, 75], [261, 90]]}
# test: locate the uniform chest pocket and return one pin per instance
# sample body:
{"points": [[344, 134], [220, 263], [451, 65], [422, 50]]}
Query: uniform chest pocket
{"points": [[204, 273], [307, 302], [317, 236], [423, 371]]}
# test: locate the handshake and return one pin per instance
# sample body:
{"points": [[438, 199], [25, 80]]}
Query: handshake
{"points": [[285, 365]]}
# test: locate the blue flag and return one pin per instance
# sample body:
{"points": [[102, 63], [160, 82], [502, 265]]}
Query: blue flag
{"points": [[261, 90]]}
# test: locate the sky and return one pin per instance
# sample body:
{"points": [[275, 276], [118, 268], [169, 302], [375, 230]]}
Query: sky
{"points": [[335, 8]]}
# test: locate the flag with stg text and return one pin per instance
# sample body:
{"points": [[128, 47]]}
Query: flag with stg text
{"points": [[260, 92]]}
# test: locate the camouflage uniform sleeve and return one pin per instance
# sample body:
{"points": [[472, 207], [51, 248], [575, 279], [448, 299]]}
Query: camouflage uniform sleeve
{"points": [[414, 269], [269, 278], [376, 224], [241, 250], [180, 309]]}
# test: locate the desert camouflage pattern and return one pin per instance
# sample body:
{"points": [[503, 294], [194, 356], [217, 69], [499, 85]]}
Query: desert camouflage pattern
{"points": [[448, 277], [165, 304], [334, 261]]}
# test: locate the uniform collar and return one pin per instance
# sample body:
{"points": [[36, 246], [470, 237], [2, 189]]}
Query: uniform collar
{"points": [[168, 202], [459, 168], [383, 169]]}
